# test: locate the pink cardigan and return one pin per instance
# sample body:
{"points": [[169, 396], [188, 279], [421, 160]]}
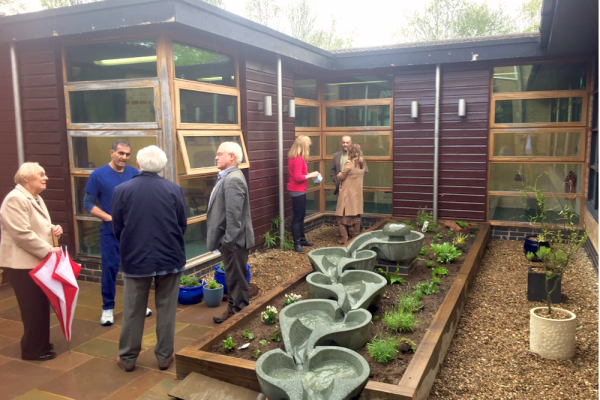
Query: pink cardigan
{"points": [[297, 171]]}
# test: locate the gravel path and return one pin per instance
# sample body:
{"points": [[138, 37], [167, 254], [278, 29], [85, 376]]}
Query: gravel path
{"points": [[489, 357]]}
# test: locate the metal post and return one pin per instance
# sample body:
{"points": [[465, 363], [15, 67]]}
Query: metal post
{"points": [[280, 151], [436, 144], [17, 103]]}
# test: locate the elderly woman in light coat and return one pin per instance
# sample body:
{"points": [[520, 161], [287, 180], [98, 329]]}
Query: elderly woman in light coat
{"points": [[350, 199], [26, 240]]}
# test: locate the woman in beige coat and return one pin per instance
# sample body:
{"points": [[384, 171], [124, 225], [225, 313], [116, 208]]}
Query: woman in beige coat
{"points": [[25, 241], [350, 199]]}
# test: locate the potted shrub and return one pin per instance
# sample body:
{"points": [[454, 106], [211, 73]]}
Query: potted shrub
{"points": [[213, 293], [220, 276], [552, 330], [533, 242], [190, 290]]}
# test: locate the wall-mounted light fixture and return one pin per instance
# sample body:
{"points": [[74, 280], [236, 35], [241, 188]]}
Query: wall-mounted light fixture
{"points": [[462, 108], [266, 106], [414, 109], [292, 108]]}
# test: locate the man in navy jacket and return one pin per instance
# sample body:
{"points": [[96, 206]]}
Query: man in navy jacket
{"points": [[149, 220]]}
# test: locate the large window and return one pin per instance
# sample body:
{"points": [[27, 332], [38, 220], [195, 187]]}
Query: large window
{"points": [[592, 197], [537, 138]]}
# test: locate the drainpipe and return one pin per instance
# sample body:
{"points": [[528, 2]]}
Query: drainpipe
{"points": [[17, 103], [280, 151], [436, 144]]}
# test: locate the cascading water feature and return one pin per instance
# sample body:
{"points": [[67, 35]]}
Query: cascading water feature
{"points": [[320, 334]]}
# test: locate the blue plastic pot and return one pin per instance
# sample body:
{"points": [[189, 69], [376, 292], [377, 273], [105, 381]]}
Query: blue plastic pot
{"points": [[220, 276], [533, 245], [213, 297], [190, 295]]}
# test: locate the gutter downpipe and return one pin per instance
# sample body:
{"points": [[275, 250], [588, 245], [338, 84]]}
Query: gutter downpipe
{"points": [[280, 152], [17, 104], [436, 144]]}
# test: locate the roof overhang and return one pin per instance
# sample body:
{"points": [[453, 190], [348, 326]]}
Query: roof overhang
{"points": [[569, 27]]}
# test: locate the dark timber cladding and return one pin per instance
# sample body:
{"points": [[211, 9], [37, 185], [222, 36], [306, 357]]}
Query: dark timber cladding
{"points": [[44, 128], [261, 136], [462, 146], [8, 151]]}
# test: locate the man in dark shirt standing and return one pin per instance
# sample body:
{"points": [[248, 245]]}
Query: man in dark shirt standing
{"points": [[149, 220]]}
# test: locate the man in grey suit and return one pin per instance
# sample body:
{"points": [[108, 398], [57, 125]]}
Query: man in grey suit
{"points": [[230, 226]]}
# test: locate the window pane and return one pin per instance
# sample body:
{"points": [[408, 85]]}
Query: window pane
{"points": [[566, 109], [202, 150], [379, 176], [330, 200], [195, 240], [359, 87], [198, 65], [315, 146], [374, 202], [551, 178], [325, 173], [521, 209], [313, 166], [113, 105], [358, 116], [312, 202], [555, 144], [89, 237], [529, 78], [80, 183], [103, 61], [207, 108], [372, 145], [197, 193], [307, 116], [306, 88], [92, 152]]}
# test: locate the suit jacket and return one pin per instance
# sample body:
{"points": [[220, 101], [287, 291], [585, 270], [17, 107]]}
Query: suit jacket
{"points": [[26, 230], [228, 215], [350, 200], [335, 170]]}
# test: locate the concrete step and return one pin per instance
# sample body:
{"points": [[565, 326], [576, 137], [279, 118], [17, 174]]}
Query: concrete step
{"points": [[199, 387]]}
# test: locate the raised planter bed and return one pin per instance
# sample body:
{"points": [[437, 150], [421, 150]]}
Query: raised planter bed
{"points": [[419, 375]]}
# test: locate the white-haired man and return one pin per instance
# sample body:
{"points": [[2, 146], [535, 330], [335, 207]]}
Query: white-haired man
{"points": [[149, 220], [229, 226]]}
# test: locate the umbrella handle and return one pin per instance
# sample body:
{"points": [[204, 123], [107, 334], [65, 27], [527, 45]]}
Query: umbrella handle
{"points": [[55, 240]]}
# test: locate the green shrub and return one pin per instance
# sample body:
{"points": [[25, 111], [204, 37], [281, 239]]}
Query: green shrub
{"points": [[383, 350], [428, 288], [436, 237], [418, 294], [408, 223], [445, 253], [248, 335], [400, 321], [430, 264], [228, 343], [392, 278], [189, 281], [276, 335], [424, 251], [263, 342], [409, 303], [256, 353], [440, 271], [436, 280], [269, 315]]}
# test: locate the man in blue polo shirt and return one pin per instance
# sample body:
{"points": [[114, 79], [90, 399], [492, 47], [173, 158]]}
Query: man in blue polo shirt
{"points": [[99, 188]]}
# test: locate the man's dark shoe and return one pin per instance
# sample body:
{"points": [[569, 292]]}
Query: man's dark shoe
{"points": [[306, 243], [165, 366], [223, 317], [48, 356], [298, 248], [124, 367]]}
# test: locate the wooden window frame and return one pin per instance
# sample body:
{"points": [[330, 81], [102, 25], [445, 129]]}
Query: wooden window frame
{"points": [[309, 129], [533, 159], [364, 132], [357, 103], [312, 135], [181, 134]]}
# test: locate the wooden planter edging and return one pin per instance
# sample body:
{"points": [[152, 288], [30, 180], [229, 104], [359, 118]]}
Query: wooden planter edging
{"points": [[418, 377]]}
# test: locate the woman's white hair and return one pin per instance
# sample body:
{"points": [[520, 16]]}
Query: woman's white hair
{"points": [[233, 148], [27, 171], [151, 159]]}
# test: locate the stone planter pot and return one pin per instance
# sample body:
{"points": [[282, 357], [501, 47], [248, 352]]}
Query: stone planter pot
{"points": [[536, 287], [552, 338], [213, 297]]}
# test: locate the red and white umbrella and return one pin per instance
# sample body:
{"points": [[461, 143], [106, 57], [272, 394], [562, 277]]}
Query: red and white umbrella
{"points": [[57, 277]]}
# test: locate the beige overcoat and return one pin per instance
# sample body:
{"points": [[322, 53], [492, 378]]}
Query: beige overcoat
{"points": [[26, 230], [350, 198]]}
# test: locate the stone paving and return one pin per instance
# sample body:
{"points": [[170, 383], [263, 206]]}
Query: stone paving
{"points": [[90, 371]]}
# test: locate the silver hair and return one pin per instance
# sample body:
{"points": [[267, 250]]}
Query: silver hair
{"points": [[121, 142], [233, 148], [151, 159]]}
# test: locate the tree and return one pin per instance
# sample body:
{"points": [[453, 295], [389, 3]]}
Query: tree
{"points": [[265, 12], [9, 7], [530, 12], [218, 3], [449, 19], [48, 4]]}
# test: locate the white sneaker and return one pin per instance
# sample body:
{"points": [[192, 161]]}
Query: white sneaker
{"points": [[148, 312], [107, 318]]}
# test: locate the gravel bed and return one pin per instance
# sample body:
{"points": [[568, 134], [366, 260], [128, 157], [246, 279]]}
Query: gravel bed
{"points": [[489, 356]]}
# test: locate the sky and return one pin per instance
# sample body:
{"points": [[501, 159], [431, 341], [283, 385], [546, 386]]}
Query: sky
{"points": [[373, 21]]}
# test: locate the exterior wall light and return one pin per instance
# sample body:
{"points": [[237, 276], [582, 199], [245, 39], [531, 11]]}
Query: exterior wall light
{"points": [[292, 108], [462, 108], [266, 106], [414, 109]]}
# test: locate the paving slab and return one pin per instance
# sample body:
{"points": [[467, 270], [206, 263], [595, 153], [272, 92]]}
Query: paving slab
{"points": [[141, 385], [18, 377], [199, 387]]}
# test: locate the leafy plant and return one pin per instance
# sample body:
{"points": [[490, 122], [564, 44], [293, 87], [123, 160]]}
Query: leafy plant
{"points": [[228, 343], [400, 321], [273, 238], [436, 237], [409, 224], [460, 239], [212, 284], [409, 303], [418, 294], [291, 299], [276, 335], [445, 253], [428, 288], [269, 315], [440, 271], [412, 344], [423, 216], [462, 224], [383, 350], [430, 264], [189, 281], [248, 335], [424, 251], [436, 280], [392, 278], [263, 342], [375, 318], [256, 353], [450, 232], [221, 267]]}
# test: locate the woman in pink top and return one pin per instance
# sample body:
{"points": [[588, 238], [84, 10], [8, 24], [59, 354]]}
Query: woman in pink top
{"points": [[298, 181]]}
